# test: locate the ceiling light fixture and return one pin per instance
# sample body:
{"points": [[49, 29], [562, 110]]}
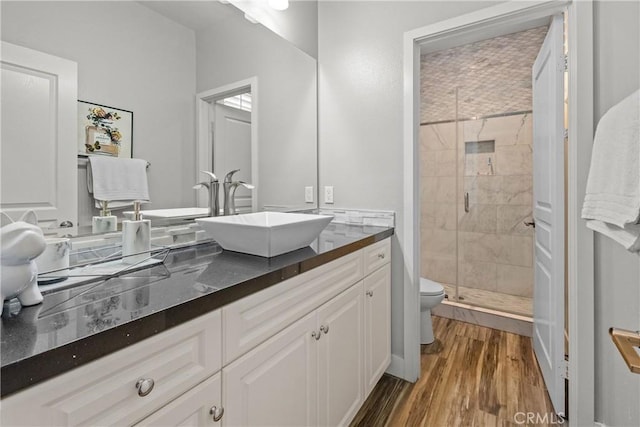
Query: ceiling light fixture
{"points": [[279, 4]]}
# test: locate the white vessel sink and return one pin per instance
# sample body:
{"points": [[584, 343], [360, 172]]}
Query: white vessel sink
{"points": [[265, 234], [176, 213]]}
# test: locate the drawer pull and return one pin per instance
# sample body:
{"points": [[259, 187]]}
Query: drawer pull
{"points": [[369, 293], [381, 255], [217, 413], [316, 335], [144, 386], [324, 329]]}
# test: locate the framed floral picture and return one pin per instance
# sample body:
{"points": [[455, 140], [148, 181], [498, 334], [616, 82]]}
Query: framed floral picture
{"points": [[104, 130]]}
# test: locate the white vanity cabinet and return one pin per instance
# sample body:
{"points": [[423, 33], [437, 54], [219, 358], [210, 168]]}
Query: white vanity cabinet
{"points": [[319, 369], [341, 358], [377, 335], [126, 386], [306, 351], [198, 407]]}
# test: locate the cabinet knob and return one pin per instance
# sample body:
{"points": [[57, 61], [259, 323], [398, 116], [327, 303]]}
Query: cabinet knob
{"points": [[144, 386], [316, 335], [381, 255], [369, 293], [216, 413], [324, 329]]}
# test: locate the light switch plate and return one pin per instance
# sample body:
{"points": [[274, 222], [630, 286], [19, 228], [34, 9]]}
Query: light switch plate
{"points": [[308, 194], [328, 194]]}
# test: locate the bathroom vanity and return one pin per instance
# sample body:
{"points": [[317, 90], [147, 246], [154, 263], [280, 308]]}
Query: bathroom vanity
{"points": [[210, 336]]}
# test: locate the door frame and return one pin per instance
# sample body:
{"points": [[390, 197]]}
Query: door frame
{"points": [[204, 150], [580, 238]]}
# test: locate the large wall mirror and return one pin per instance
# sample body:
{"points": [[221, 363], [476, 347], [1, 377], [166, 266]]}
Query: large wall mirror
{"points": [[162, 60]]}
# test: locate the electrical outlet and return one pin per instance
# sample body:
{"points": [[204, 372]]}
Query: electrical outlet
{"points": [[328, 194], [308, 194]]}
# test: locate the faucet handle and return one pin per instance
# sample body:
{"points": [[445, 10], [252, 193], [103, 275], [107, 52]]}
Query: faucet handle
{"points": [[246, 185], [210, 175], [227, 178]]}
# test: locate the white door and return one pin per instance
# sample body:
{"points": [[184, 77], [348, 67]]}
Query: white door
{"points": [[341, 358], [200, 406], [548, 211], [39, 137], [377, 324], [232, 149], [276, 383]]}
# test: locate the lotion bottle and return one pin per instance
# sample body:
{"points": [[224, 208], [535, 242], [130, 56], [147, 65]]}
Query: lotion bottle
{"points": [[136, 238], [105, 222]]}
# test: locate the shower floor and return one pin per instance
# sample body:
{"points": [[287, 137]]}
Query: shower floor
{"points": [[491, 299]]}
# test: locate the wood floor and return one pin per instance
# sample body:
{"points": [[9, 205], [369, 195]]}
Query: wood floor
{"points": [[471, 376]]}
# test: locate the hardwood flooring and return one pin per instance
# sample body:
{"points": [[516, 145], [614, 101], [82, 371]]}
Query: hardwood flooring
{"points": [[471, 376]]}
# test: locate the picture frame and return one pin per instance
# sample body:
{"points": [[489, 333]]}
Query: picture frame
{"points": [[104, 130]]}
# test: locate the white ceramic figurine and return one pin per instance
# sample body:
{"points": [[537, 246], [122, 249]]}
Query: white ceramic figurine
{"points": [[22, 241]]}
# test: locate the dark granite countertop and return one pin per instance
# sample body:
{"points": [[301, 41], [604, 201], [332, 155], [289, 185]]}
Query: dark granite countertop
{"points": [[78, 325]]}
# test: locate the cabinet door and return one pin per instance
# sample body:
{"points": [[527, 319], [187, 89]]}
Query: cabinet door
{"points": [[193, 408], [377, 321], [341, 358], [39, 136], [275, 384]]}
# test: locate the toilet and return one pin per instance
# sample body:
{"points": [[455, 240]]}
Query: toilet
{"points": [[431, 294]]}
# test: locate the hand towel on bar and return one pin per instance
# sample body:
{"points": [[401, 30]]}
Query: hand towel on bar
{"points": [[119, 181], [613, 186]]}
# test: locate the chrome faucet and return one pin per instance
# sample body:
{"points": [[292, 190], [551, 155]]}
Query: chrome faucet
{"points": [[213, 185], [230, 187]]}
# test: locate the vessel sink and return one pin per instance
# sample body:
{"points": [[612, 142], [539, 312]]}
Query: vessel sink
{"points": [[266, 234], [176, 213]]}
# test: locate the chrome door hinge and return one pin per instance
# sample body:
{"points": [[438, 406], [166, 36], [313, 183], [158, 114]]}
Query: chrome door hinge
{"points": [[566, 133], [566, 62]]}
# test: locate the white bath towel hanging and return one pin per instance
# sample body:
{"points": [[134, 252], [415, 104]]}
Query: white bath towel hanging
{"points": [[116, 180], [612, 201]]}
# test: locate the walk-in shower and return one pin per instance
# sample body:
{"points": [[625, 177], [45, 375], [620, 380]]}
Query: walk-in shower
{"points": [[476, 171]]}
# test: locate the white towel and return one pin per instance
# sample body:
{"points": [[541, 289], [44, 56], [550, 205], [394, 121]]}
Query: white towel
{"points": [[118, 181], [612, 200]]}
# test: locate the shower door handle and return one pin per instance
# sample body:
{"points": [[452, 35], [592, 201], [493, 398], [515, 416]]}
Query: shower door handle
{"points": [[531, 223], [466, 202]]}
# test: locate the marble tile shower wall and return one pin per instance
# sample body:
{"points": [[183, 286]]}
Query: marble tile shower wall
{"points": [[492, 249]]}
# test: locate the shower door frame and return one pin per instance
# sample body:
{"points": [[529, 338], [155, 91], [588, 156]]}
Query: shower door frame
{"points": [[580, 239]]}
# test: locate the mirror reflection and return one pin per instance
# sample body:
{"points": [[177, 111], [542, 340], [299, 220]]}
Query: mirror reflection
{"points": [[207, 91]]}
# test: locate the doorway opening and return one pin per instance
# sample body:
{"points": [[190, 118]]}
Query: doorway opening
{"points": [[476, 163], [228, 138], [487, 23]]}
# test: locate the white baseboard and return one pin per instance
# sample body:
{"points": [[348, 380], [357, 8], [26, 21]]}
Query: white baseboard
{"points": [[596, 424], [396, 367]]}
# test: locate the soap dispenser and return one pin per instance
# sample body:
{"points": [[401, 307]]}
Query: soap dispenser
{"points": [[136, 238], [105, 222]]}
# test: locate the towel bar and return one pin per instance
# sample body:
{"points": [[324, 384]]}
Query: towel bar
{"points": [[625, 341]]}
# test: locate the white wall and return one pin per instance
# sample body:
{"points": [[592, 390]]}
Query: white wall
{"points": [[360, 84], [617, 272], [132, 58], [298, 24], [232, 51]]}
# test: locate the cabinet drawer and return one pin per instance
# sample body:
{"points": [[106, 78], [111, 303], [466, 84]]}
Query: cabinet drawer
{"points": [[104, 392], [376, 255], [194, 408], [253, 319]]}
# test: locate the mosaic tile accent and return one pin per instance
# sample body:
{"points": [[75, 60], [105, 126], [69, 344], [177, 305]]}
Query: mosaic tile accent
{"points": [[361, 217], [492, 77]]}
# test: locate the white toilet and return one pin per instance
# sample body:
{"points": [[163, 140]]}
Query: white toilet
{"points": [[431, 294]]}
